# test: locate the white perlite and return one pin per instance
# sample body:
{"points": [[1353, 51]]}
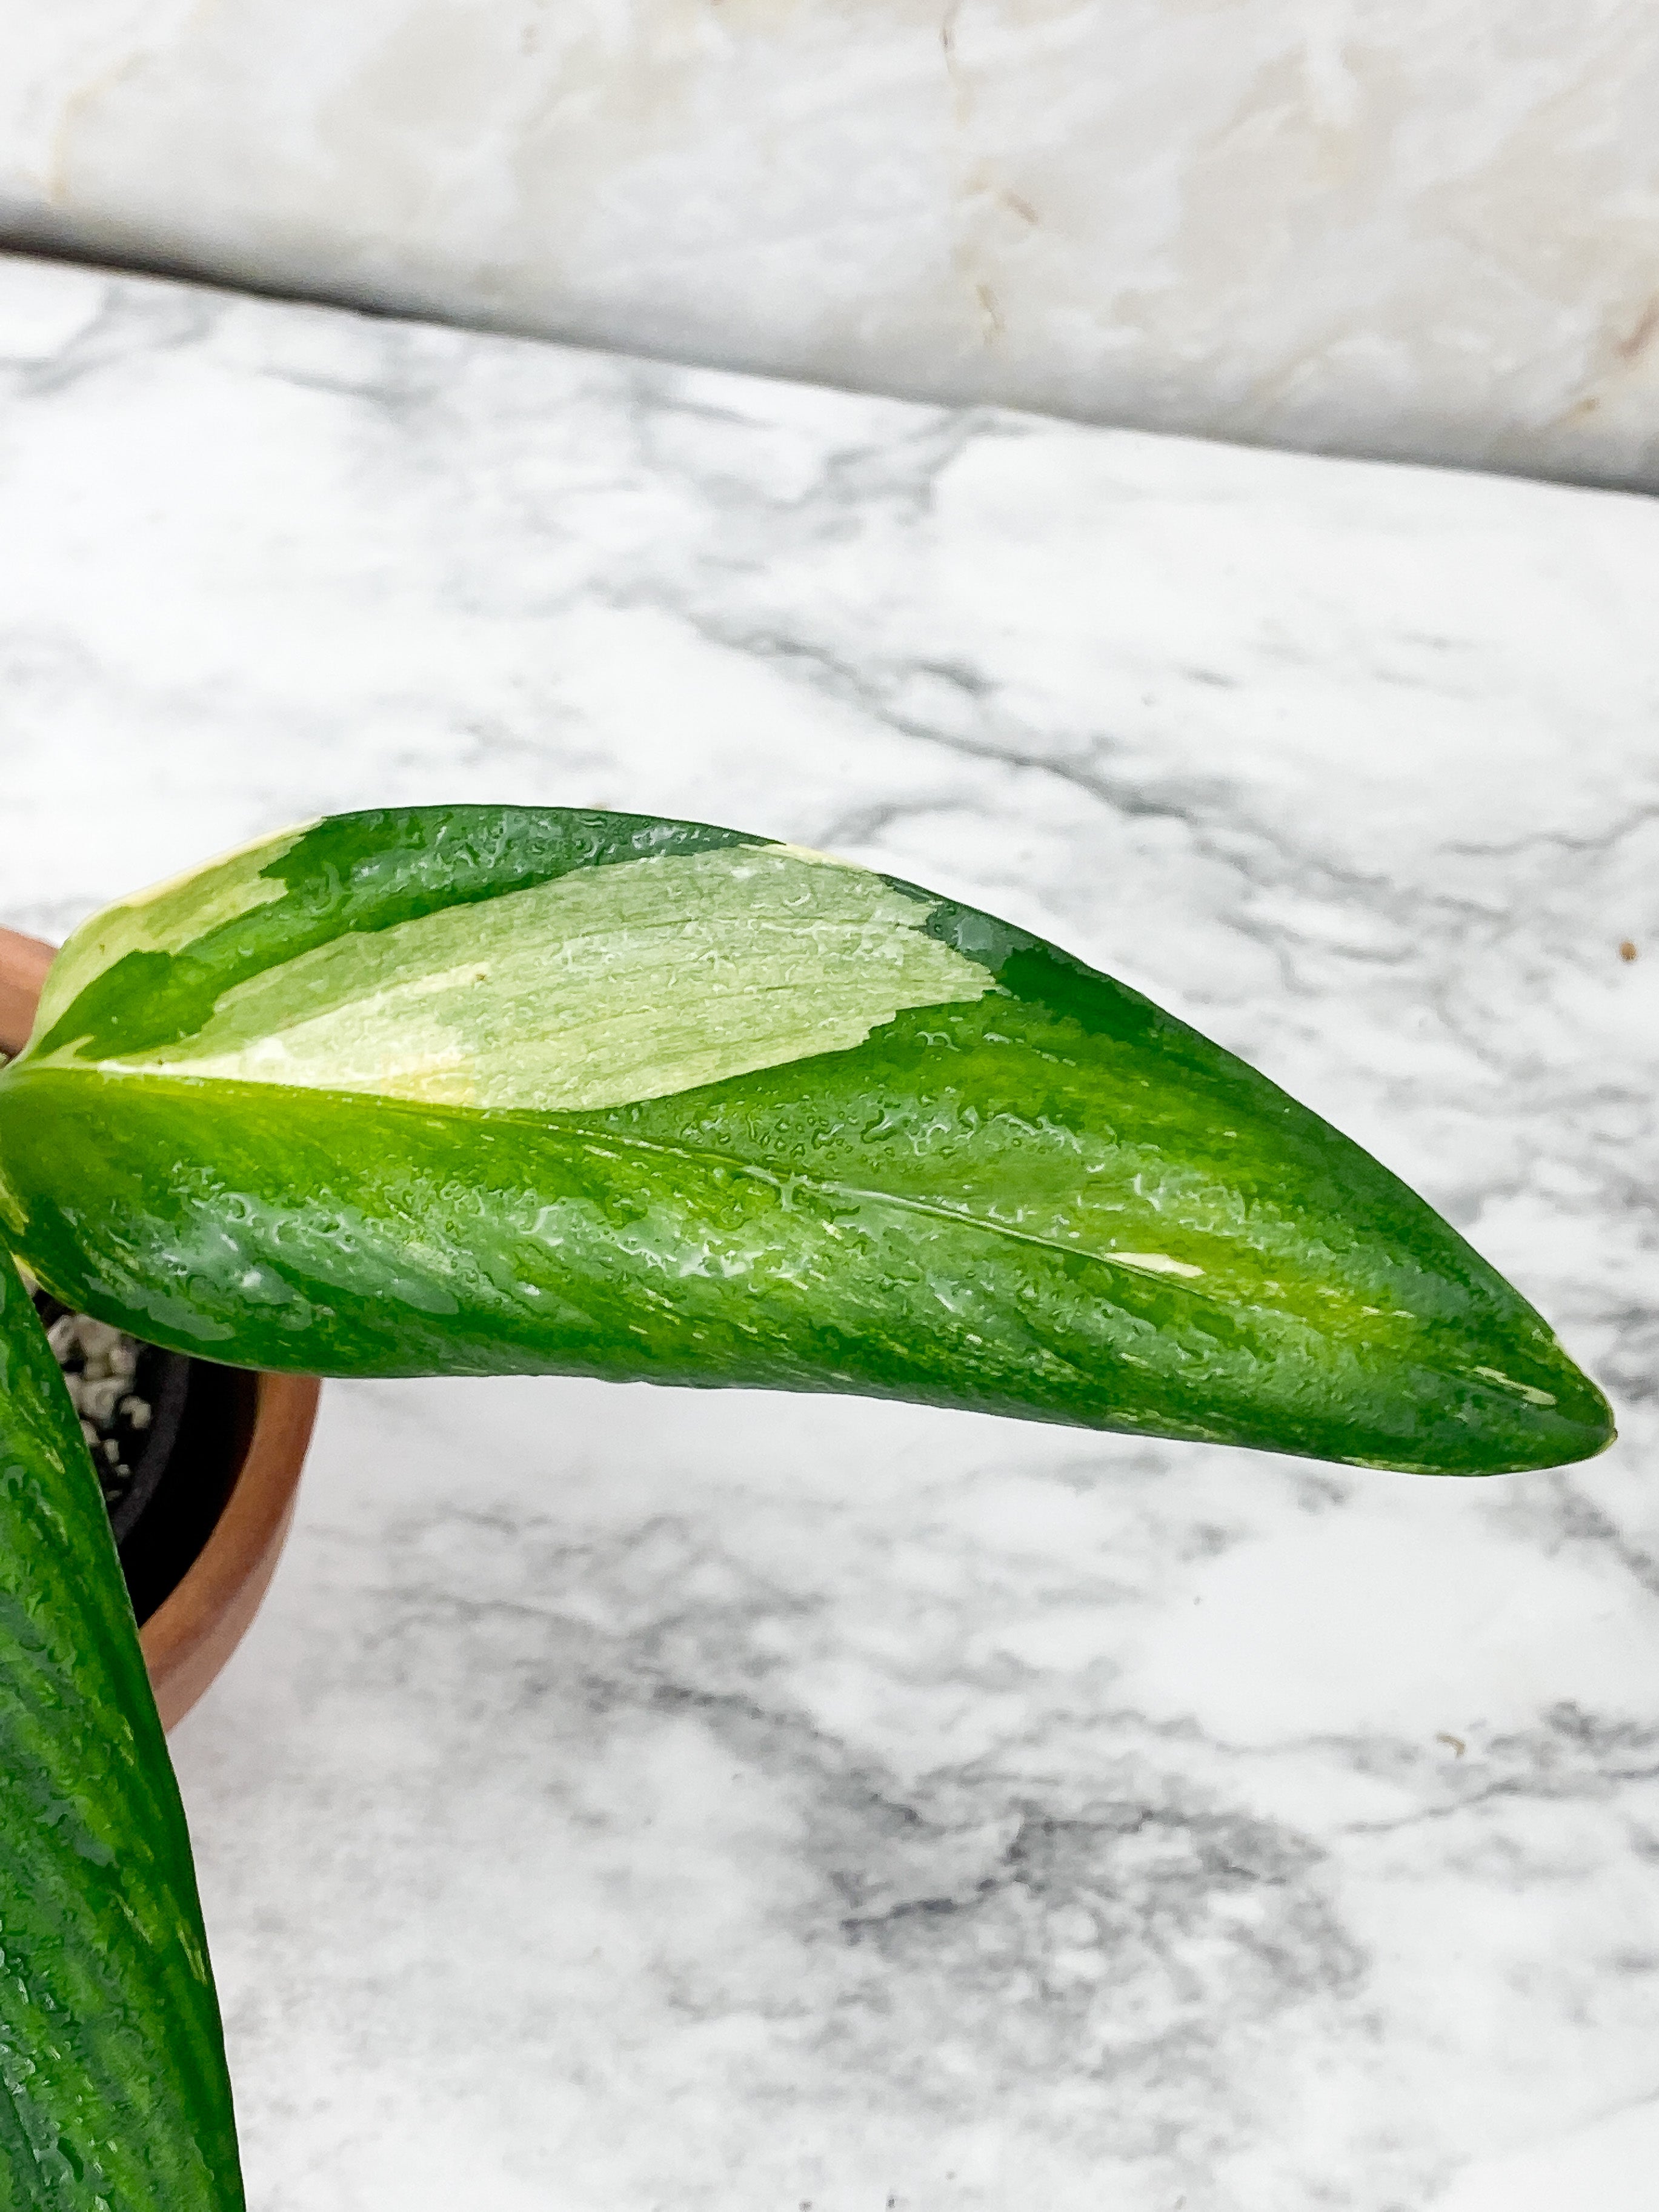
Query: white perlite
{"points": [[98, 1364]]}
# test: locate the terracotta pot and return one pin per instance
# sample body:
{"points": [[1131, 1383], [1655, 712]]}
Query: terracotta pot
{"points": [[197, 1589]]}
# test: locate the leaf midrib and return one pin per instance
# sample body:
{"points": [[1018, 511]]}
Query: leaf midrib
{"points": [[585, 1133]]}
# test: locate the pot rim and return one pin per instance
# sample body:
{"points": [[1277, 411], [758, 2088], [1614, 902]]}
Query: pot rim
{"points": [[196, 1626]]}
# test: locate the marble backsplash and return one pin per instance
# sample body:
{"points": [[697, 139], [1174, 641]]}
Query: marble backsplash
{"points": [[1385, 227]]}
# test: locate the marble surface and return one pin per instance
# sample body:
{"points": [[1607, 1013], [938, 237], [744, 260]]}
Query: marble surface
{"points": [[631, 1799], [1376, 226]]}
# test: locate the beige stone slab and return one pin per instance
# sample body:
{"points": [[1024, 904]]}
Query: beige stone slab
{"points": [[1386, 227]]}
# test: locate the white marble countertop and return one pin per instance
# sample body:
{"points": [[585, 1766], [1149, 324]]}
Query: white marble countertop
{"points": [[642, 1801]]}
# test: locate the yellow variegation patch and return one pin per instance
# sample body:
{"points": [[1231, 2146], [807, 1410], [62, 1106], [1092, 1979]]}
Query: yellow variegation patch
{"points": [[605, 987]]}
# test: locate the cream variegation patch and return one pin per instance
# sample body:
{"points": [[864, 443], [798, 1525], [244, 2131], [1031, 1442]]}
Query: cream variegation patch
{"points": [[606, 986], [166, 918]]}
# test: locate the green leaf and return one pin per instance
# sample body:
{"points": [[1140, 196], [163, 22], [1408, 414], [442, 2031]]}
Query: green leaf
{"points": [[113, 2096], [475, 1089]]}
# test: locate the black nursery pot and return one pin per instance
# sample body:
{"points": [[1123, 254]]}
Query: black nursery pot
{"points": [[202, 1519], [179, 1469]]}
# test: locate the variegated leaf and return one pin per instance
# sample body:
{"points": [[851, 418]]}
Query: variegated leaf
{"points": [[477, 1089], [113, 2096]]}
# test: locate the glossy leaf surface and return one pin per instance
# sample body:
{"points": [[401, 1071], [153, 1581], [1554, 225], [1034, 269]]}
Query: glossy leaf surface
{"points": [[478, 1090], [112, 2084]]}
